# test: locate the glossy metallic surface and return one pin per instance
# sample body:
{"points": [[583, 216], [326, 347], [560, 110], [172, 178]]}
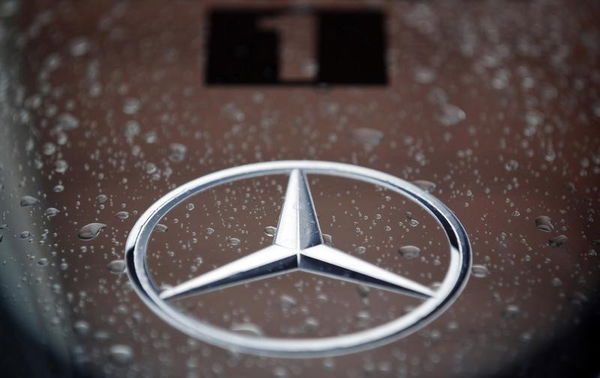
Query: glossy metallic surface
{"points": [[493, 106], [299, 246]]}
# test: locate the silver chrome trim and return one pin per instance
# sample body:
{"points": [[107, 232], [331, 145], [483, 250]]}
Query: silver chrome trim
{"points": [[294, 243]]}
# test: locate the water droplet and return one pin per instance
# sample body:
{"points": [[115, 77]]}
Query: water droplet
{"points": [[132, 128], [409, 251], [9, 8], [247, 328], [328, 239], [177, 153], [131, 106], [58, 188], [190, 206], [270, 231], [288, 302], [367, 137], [160, 227], [424, 75], [192, 363], [556, 282], [363, 291], [43, 261], [150, 168], [102, 198], [51, 212], [363, 316], [90, 231], [360, 249], [450, 115], [596, 108], [25, 234], [210, 230], [480, 271], [122, 215], [79, 47], [81, 327], [150, 137], [425, 185], [526, 337], [557, 241], [234, 241], [280, 372], [544, 223], [511, 165], [61, 166], [27, 201], [116, 266], [67, 122], [121, 354], [49, 148], [329, 363], [512, 310], [533, 118], [411, 221], [311, 323]]}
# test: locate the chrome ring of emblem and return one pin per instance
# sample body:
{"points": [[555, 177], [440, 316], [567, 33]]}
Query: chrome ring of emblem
{"points": [[453, 283]]}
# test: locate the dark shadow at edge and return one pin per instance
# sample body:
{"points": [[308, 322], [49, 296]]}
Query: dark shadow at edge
{"points": [[21, 355], [573, 353]]}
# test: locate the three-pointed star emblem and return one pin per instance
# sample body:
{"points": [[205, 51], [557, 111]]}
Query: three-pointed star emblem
{"points": [[298, 245]]}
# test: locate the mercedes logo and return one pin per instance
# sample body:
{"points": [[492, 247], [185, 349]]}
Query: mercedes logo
{"points": [[299, 245]]}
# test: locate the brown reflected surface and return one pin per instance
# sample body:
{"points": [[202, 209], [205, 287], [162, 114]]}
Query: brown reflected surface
{"points": [[495, 103]]}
